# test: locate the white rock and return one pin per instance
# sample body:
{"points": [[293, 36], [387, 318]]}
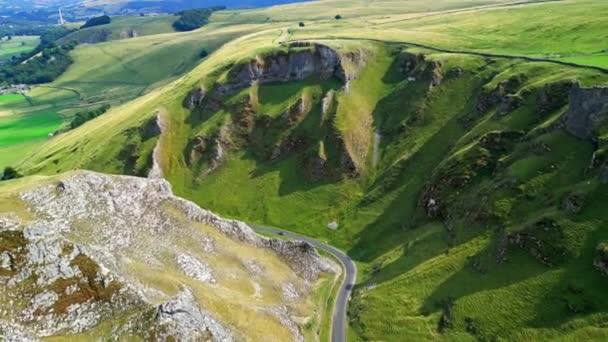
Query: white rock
{"points": [[195, 269]]}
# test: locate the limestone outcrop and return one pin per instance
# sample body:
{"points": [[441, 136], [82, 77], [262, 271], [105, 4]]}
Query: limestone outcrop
{"points": [[305, 61], [587, 111], [503, 96], [97, 243]]}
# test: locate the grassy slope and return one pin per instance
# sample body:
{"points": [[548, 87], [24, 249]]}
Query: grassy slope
{"points": [[410, 265], [124, 27], [327, 9], [122, 70]]}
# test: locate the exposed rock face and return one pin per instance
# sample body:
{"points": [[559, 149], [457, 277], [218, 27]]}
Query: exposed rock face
{"points": [[553, 96], [182, 318], [195, 98], [208, 149], [601, 259], [416, 67], [588, 110], [543, 240], [54, 286], [574, 203], [295, 65], [95, 36], [129, 33], [502, 96], [72, 268]]}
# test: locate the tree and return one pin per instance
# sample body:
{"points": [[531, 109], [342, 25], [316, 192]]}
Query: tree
{"points": [[338, 17], [103, 20], [9, 37], [203, 53], [192, 19], [301, 24], [10, 173]]}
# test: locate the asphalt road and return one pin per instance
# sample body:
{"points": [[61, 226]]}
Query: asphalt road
{"points": [[338, 330]]}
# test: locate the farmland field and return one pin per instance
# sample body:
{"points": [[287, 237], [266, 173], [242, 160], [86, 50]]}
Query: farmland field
{"points": [[16, 46]]}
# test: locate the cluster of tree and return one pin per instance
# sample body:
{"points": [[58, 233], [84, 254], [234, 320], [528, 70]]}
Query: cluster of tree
{"points": [[194, 18], [82, 117], [43, 68], [49, 37], [9, 173], [103, 20], [43, 64]]}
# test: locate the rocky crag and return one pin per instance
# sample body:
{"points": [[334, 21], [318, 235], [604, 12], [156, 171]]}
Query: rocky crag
{"points": [[272, 138], [88, 248]]}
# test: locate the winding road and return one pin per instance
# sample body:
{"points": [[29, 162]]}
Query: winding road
{"points": [[338, 326]]}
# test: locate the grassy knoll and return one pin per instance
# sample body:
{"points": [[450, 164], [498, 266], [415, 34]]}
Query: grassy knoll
{"points": [[16, 46]]}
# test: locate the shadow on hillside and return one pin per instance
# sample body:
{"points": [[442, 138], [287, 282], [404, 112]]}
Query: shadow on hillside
{"points": [[383, 234], [297, 144], [467, 281], [290, 173], [580, 292]]}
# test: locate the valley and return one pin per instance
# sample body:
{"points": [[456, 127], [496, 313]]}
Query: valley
{"points": [[454, 151]]}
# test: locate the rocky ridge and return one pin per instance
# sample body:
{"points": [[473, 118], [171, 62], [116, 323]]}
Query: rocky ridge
{"points": [[70, 268]]}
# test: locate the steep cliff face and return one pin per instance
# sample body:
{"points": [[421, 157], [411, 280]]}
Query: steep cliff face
{"points": [[306, 61], [503, 97], [92, 246], [588, 110], [316, 72]]}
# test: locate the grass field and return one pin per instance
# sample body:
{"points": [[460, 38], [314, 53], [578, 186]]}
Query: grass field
{"points": [[16, 46], [28, 127], [536, 29], [326, 10], [422, 276]]}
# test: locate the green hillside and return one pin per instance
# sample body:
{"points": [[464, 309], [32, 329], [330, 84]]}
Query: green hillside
{"points": [[107, 73], [465, 178], [123, 27]]}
